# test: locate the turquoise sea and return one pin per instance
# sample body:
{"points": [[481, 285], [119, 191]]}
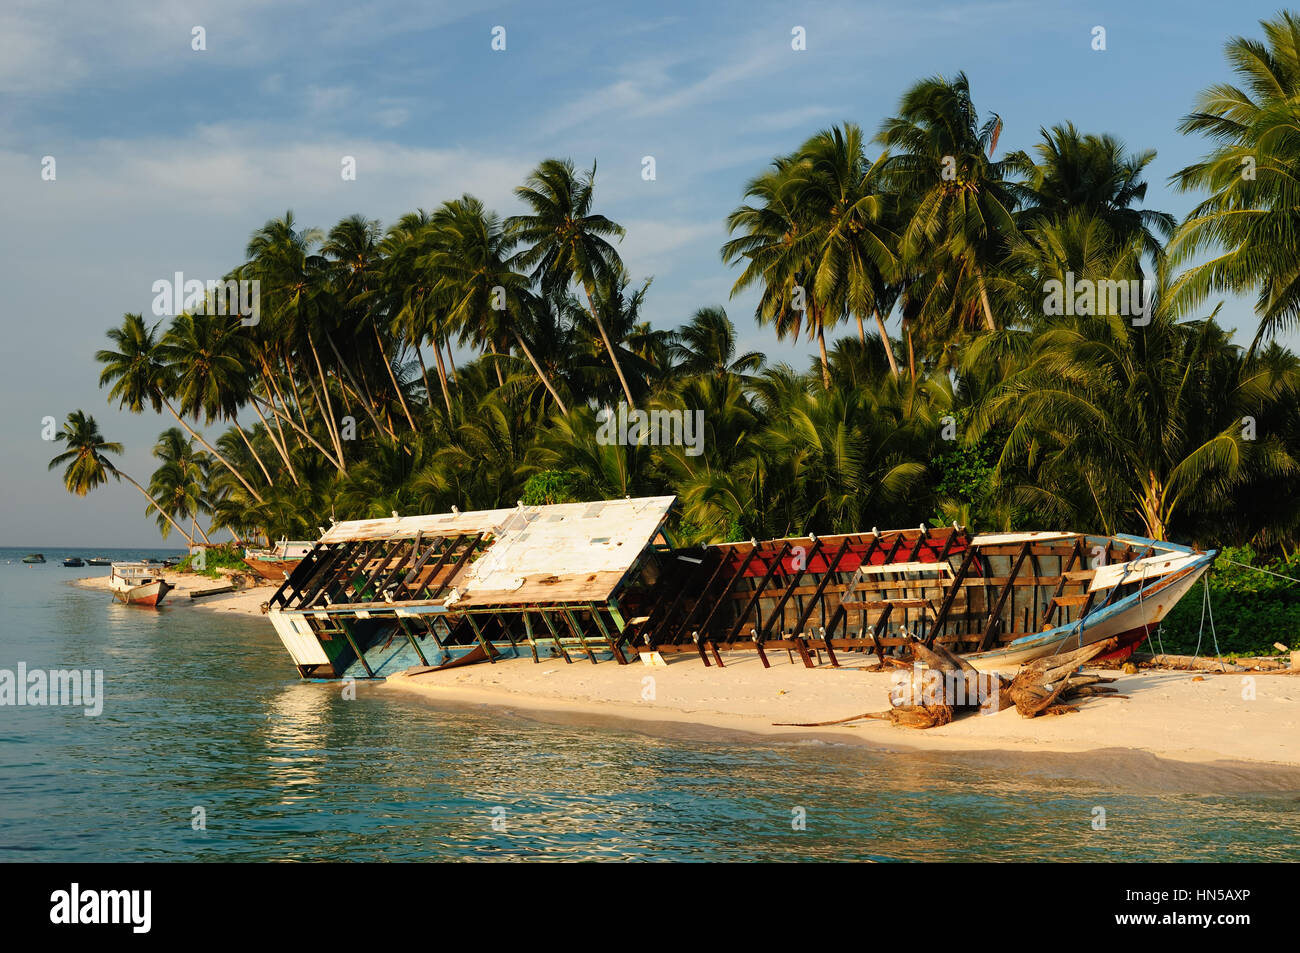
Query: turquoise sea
{"points": [[204, 718]]}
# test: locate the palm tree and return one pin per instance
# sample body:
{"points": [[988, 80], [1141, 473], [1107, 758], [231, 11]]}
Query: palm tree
{"points": [[706, 345], [565, 241], [473, 274], [958, 202], [1093, 175], [777, 251], [846, 210], [88, 465], [1253, 176], [140, 376], [179, 484]]}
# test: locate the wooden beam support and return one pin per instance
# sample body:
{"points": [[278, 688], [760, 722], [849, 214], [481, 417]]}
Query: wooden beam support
{"points": [[996, 613]]}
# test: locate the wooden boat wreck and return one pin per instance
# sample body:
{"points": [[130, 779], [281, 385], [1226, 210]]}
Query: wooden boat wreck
{"points": [[603, 581], [137, 584]]}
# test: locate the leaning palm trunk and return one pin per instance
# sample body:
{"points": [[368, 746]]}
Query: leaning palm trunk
{"points": [[884, 339], [393, 377], [327, 410], [253, 450], [989, 323], [213, 450], [442, 377], [604, 335], [302, 433], [278, 444], [367, 401], [541, 374], [154, 504]]}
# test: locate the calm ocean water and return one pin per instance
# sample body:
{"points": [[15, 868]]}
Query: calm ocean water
{"points": [[204, 711]]}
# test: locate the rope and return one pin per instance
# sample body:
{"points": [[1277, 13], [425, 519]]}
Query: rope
{"points": [[1258, 569]]}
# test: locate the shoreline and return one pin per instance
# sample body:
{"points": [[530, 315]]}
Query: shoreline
{"points": [[1173, 733], [247, 601], [1192, 730]]}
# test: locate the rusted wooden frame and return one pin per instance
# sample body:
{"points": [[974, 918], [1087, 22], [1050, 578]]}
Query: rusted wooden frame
{"points": [[757, 594], [410, 637], [803, 650], [653, 626], [337, 586], [878, 632], [779, 611], [945, 607], [719, 602], [609, 639], [403, 559], [306, 569], [995, 614], [1053, 608], [893, 550], [699, 647], [920, 541], [821, 588], [321, 571], [460, 563], [528, 633], [381, 566], [577, 633], [555, 635], [478, 634], [446, 554], [404, 589], [347, 634]]}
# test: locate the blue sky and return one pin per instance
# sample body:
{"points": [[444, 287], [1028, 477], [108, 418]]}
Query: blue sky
{"points": [[168, 158]]}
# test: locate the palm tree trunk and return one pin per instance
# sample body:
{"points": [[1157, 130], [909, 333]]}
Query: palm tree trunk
{"points": [[388, 364], [989, 323], [911, 354], [618, 368], [327, 411], [356, 388], [442, 377], [279, 445], [540, 373], [303, 434], [251, 449], [189, 539], [826, 364], [862, 330], [884, 339], [213, 450], [424, 375]]}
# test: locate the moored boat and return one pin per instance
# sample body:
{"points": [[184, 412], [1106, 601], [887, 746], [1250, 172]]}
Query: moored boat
{"points": [[73, 561], [138, 584], [276, 563], [601, 580], [99, 561], [34, 558]]}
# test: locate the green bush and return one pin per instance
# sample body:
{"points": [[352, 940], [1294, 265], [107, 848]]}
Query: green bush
{"points": [[226, 556], [1251, 610]]}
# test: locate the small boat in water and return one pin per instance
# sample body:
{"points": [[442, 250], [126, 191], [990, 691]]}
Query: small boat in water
{"points": [[73, 561], [34, 558], [602, 580], [275, 564], [99, 561], [138, 584]]}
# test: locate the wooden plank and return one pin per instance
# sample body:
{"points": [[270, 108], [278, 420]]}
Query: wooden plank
{"points": [[757, 593], [945, 607], [996, 613]]}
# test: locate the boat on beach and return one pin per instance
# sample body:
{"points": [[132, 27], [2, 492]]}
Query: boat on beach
{"points": [[600, 581], [276, 563], [34, 558], [138, 584]]}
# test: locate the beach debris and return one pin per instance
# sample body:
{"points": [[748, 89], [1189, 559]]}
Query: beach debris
{"points": [[933, 696]]}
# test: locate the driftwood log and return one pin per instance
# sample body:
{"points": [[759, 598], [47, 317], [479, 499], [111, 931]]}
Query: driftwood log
{"points": [[930, 697]]}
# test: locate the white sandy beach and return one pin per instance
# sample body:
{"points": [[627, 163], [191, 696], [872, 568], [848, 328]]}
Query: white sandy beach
{"points": [[1191, 717]]}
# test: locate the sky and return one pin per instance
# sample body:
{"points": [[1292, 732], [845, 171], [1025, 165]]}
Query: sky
{"points": [[167, 157]]}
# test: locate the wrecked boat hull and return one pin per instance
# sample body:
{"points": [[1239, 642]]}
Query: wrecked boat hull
{"points": [[590, 582]]}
